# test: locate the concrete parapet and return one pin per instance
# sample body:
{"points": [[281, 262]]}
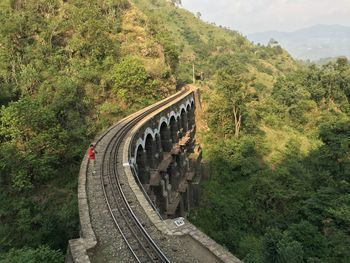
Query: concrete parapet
{"points": [[78, 248], [186, 228]]}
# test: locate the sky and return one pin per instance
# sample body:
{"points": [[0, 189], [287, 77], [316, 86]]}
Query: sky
{"points": [[250, 16]]}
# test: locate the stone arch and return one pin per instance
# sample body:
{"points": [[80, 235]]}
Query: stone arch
{"points": [[141, 162], [182, 107], [139, 143], [173, 130], [190, 117], [183, 118], [161, 121], [165, 137], [172, 114], [148, 132], [150, 148], [188, 104]]}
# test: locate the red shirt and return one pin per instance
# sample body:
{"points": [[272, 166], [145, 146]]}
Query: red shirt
{"points": [[91, 153]]}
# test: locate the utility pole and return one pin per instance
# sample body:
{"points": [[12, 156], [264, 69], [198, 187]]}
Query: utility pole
{"points": [[194, 79]]}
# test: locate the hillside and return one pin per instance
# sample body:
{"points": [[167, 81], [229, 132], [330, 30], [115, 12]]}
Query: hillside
{"points": [[69, 69], [313, 43], [208, 46]]}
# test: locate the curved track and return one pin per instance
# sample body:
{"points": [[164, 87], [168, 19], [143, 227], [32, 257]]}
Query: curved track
{"points": [[139, 242]]}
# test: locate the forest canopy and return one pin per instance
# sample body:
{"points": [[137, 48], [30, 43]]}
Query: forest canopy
{"points": [[60, 68], [280, 192]]}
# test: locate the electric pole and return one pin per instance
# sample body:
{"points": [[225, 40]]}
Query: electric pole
{"points": [[193, 76]]}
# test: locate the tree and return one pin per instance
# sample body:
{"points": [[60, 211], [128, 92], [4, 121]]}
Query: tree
{"points": [[334, 154], [131, 80], [176, 2], [235, 93], [279, 248], [289, 251], [171, 50], [313, 242], [42, 139], [273, 43], [291, 93]]}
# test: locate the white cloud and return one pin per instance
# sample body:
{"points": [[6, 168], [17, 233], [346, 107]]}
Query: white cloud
{"points": [[261, 15]]}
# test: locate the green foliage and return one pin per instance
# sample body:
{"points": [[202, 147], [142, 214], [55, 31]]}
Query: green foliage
{"points": [[29, 255], [130, 77], [231, 101], [295, 208], [289, 252], [62, 79], [55, 61], [40, 145], [278, 247], [41, 131], [171, 51], [294, 97], [336, 139], [314, 243]]}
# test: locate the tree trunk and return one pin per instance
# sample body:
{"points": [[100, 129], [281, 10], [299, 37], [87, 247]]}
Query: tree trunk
{"points": [[237, 120], [238, 126]]}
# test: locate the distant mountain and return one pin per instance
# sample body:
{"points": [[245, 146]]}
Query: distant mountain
{"points": [[314, 43]]}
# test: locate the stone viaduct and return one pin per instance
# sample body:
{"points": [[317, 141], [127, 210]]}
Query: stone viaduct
{"points": [[166, 159], [158, 165]]}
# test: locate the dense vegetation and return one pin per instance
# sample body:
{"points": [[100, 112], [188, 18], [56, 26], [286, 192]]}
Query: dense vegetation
{"points": [[68, 69], [280, 189], [65, 74]]}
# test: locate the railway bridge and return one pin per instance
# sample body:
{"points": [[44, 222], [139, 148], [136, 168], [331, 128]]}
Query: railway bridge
{"points": [[148, 174]]}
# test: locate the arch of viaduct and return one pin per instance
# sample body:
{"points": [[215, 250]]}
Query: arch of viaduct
{"points": [[165, 159]]}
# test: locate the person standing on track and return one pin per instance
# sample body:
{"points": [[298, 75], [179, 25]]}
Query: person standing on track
{"points": [[92, 156]]}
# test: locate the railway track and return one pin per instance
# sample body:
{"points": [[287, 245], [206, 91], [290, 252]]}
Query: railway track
{"points": [[141, 245]]}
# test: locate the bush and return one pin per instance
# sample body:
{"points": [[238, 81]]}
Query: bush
{"points": [[43, 254], [131, 81]]}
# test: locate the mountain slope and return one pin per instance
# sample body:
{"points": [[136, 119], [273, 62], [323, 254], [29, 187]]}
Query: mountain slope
{"points": [[207, 45], [68, 70]]}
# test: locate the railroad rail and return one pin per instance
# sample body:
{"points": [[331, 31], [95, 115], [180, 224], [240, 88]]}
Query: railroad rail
{"points": [[139, 242], [122, 213]]}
